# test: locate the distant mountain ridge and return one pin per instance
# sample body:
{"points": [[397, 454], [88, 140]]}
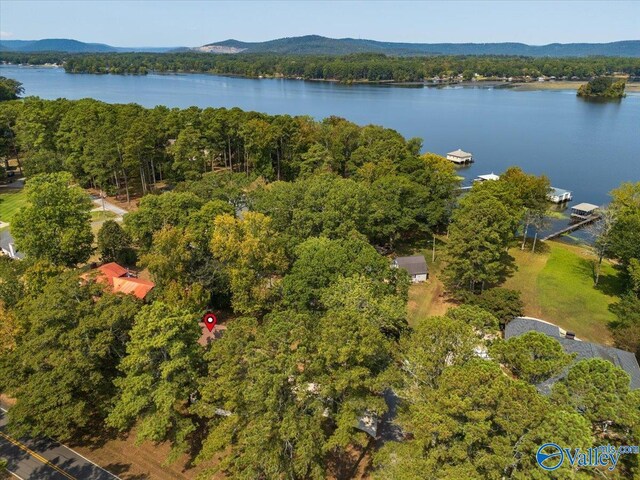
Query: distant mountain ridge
{"points": [[316, 44], [71, 46]]}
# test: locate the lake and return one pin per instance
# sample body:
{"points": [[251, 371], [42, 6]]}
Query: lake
{"points": [[582, 146]]}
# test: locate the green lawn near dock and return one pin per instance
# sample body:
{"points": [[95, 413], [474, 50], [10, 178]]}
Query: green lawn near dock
{"points": [[10, 203], [557, 286]]}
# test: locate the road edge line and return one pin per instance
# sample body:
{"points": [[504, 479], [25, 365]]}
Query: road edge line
{"points": [[71, 449]]}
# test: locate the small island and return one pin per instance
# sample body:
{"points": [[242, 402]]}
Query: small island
{"points": [[602, 87]]}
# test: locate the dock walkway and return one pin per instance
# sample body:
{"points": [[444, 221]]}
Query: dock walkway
{"points": [[571, 228]]}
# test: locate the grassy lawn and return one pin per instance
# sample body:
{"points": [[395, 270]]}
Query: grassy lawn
{"points": [[428, 299], [557, 286], [100, 215], [10, 202]]}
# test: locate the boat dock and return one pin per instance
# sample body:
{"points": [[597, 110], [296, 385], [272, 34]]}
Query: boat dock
{"points": [[571, 228]]}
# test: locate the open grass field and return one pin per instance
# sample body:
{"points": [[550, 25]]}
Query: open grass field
{"points": [[10, 203], [557, 286]]}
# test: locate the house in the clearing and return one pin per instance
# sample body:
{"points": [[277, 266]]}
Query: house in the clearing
{"points": [[583, 350], [558, 195], [584, 211], [120, 279], [7, 246], [415, 265], [487, 177], [460, 157]]}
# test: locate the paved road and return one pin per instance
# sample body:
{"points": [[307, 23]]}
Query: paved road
{"points": [[46, 459], [108, 205]]}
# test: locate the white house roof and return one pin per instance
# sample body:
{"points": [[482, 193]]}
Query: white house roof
{"points": [[559, 191], [585, 207], [489, 176], [459, 153]]}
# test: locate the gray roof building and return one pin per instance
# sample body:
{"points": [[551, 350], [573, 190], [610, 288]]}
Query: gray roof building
{"points": [[583, 350], [415, 264]]}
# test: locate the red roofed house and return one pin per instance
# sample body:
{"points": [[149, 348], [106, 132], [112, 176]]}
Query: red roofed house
{"points": [[120, 279]]}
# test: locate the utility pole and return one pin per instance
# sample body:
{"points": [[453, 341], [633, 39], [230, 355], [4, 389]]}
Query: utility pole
{"points": [[433, 254]]}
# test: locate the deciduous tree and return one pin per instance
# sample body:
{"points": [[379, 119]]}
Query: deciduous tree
{"points": [[55, 224]]}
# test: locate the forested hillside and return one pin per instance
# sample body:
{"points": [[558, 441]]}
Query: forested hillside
{"points": [[318, 45], [358, 67]]}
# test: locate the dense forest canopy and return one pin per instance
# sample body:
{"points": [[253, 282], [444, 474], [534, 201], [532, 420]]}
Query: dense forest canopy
{"points": [[354, 67], [283, 224]]}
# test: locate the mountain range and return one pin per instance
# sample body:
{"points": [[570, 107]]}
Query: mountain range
{"points": [[71, 46], [315, 44]]}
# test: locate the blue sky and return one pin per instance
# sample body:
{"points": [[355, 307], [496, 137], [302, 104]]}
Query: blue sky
{"points": [[192, 23]]}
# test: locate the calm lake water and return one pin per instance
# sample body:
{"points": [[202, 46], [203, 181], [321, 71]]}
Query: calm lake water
{"points": [[588, 148]]}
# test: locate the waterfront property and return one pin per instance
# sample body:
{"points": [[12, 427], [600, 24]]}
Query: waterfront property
{"points": [[487, 177], [415, 265], [559, 195], [583, 350], [460, 157], [584, 211]]}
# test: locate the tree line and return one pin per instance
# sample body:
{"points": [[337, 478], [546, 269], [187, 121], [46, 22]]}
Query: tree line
{"points": [[345, 68]]}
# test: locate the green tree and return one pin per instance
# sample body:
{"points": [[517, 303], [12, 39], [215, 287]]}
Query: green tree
{"points": [[598, 390], [559, 427], [320, 262], [477, 248], [361, 295], [11, 285], [626, 328], [252, 254], [434, 344], [483, 322], [467, 427], [62, 367], [114, 244], [284, 397], [10, 89], [156, 211], [159, 372], [55, 224], [502, 303], [533, 357], [625, 233]]}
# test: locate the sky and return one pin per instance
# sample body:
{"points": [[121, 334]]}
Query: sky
{"points": [[165, 23]]}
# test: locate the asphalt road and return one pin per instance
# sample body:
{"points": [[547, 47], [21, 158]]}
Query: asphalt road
{"points": [[46, 459]]}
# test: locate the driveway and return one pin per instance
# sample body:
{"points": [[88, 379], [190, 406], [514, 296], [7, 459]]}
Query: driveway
{"points": [[46, 459], [99, 202]]}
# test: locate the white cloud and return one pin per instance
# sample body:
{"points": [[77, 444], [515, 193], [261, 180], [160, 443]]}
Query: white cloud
{"points": [[6, 34]]}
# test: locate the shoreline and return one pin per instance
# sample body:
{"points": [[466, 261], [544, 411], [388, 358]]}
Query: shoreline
{"points": [[633, 87]]}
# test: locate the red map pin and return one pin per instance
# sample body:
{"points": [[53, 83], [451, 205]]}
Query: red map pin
{"points": [[209, 320]]}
